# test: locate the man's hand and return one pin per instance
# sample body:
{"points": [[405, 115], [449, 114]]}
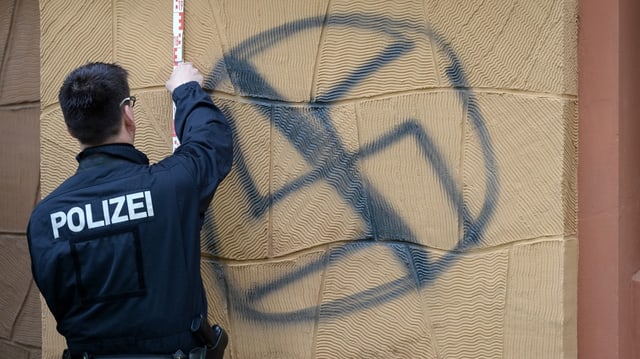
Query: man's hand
{"points": [[183, 73]]}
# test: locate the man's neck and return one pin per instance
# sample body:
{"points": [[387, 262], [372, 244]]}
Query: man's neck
{"points": [[115, 139]]}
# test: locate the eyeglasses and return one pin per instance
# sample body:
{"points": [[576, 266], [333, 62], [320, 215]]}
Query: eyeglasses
{"points": [[130, 99]]}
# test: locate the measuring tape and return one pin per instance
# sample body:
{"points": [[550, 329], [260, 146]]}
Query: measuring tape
{"points": [[178, 31]]}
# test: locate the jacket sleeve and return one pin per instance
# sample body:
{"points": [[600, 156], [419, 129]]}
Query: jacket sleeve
{"points": [[206, 145]]}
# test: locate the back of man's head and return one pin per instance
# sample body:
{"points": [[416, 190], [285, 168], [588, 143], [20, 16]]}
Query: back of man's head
{"points": [[90, 99]]}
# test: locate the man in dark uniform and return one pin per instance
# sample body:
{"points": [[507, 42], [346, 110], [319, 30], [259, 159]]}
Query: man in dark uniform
{"points": [[115, 249]]}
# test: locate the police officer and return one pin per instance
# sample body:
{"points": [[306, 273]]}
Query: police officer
{"points": [[115, 249]]}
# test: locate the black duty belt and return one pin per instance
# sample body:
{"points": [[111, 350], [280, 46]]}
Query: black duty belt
{"points": [[177, 355], [67, 355], [215, 339], [134, 357], [196, 353]]}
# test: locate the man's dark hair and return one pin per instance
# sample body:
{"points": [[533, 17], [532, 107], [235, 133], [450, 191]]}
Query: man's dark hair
{"points": [[90, 99]]}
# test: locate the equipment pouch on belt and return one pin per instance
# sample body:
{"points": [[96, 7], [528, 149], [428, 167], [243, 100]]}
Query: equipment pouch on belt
{"points": [[215, 340]]}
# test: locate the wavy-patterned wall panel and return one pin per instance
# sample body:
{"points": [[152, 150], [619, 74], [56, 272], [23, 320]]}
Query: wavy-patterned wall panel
{"points": [[206, 47], [19, 165], [466, 302], [57, 151], [517, 193], [6, 19], [28, 327], [511, 44], [17, 86], [273, 305], [153, 122], [539, 281], [370, 305], [271, 54], [52, 343], [141, 30], [410, 159], [71, 34], [570, 169], [240, 212], [15, 269], [372, 48], [214, 278]]}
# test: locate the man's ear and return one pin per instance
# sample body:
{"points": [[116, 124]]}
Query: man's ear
{"points": [[129, 119]]}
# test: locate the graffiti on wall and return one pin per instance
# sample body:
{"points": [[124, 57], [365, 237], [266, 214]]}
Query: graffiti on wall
{"points": [[317, 141]]}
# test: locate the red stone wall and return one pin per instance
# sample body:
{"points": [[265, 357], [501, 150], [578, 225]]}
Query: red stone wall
{"points": [[609, 200]]}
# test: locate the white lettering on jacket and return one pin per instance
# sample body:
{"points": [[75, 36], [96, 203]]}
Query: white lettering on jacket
{"points": [[119, 209]]}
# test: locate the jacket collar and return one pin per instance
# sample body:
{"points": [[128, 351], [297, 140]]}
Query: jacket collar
{"points": [[125, 151]]}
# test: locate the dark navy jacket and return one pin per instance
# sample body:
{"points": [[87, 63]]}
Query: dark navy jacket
{"points": [[115, 249]]}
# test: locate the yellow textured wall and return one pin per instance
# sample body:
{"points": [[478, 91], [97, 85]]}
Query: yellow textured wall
{"points": [[20, 315], [404, 175]]}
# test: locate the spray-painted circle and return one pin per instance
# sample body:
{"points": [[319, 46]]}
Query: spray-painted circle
{"points": [[237, 60]]}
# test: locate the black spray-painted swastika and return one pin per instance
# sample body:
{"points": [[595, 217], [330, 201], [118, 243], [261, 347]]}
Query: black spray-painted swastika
{"points": [[335, 165]]}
